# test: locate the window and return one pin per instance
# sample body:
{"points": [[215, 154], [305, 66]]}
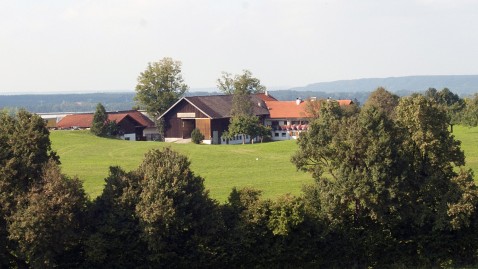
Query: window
{"points": [[284, 134], [276, 134]]}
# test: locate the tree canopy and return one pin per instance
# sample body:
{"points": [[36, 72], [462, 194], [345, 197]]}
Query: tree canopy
{"points": [[399, 173], [160, 86]]}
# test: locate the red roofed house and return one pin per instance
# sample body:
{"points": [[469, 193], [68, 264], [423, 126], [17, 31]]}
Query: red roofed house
{"points": [[132, 124]]}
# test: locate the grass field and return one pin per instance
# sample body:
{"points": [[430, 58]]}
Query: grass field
{"points": [[263, 166]]}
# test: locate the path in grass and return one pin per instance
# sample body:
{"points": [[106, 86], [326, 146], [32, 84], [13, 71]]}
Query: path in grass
{"points": [[264, 166]]}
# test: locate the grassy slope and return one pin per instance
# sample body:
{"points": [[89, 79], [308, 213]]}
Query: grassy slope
{"points": [[263, 166], [223, 167], [469, 143]]}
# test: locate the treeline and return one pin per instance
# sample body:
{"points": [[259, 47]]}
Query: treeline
{"points": [[44, 103], [390, 191]]}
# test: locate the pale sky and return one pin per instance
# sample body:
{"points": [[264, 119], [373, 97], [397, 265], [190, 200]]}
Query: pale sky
{"points": [[103, 45]]}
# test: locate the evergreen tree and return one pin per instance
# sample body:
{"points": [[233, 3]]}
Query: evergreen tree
{"points": [[99, 125]]}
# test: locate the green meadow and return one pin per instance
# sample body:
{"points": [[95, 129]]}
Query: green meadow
{"points": [[263, 166]]}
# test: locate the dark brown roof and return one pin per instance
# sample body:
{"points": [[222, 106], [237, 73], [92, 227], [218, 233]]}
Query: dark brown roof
{"points": [[219, 106]]}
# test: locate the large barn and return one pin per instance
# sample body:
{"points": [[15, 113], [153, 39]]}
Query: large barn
{"points": [[210, 114]]}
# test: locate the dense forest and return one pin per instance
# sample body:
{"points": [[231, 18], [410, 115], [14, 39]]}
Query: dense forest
{"points": [[390, 191]]}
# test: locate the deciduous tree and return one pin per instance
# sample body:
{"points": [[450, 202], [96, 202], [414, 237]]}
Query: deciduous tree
{"points": [[160, 86], [176, 214]]}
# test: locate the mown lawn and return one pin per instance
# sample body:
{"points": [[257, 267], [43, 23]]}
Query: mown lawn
{"points": [[264, 166]]}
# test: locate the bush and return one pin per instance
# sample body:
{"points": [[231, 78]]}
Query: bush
{"points": [[196, 136]]}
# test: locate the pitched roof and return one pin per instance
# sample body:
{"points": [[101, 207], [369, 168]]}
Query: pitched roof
{"points": [[219, 106], [265, 97], [137, 116], [86, 120], [345, 102], [290, 109], [76, 120], [286, 109]]}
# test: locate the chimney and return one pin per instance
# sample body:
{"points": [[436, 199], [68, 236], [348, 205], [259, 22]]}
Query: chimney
{"points": [[298, 101], [266, 93]]}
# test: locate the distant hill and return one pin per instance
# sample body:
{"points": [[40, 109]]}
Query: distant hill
{"points": [[461, 84], [357, 89]]}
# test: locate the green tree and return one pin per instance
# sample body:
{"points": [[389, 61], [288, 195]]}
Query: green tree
{"points": [[244, 125], [243, 121], [389, 182], [226, 83], [452, 103], [47, 224], [159, 87], [383, 100], [114, 235], [470, 114], [100, 123], [176, 215], [244, 82], [25, 148]]}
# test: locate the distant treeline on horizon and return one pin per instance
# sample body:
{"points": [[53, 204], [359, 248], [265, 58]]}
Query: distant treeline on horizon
{"points": [[357, 90]]}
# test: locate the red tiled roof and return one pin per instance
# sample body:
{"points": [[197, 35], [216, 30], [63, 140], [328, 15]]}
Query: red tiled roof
{"points": [[290, 109], [86, 120], [286, 109], [345, 102], [76, 120]]}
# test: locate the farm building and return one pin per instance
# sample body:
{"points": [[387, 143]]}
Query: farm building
{"points": [[288, 119], [211, 115], [132, 124]]}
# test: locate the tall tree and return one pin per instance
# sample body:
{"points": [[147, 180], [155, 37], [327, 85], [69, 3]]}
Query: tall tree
{"points": [[99, 125], [243, 121], [450, 101], [160, 86], [383, 100], [244, 82], [25, 148], [175, 212], [47, 225], [391, 178], [470, 115], [114, 235]]}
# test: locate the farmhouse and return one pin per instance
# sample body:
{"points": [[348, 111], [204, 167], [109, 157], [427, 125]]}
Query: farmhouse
{"points": [[211, 115], [132, 124], [288, 119]]}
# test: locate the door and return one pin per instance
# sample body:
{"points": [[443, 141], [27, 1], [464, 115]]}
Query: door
{"points": [[188, 126]]}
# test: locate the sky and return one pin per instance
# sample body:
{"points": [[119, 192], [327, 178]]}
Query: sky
{"points": [[53, 46]]}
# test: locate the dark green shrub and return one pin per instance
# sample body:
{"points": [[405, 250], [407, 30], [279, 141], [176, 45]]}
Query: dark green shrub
{"points": [[196, 136]]}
